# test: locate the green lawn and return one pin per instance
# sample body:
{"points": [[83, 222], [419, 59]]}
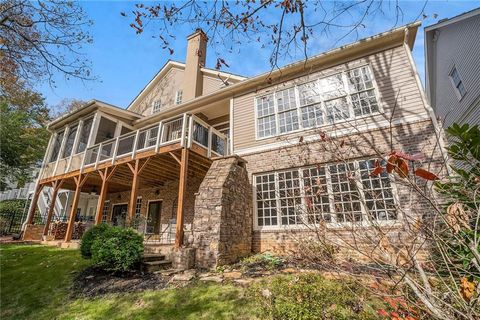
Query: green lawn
{"points": [[35, 283]]}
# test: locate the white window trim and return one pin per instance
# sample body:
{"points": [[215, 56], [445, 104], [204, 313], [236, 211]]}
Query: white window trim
{"points": [[179, 93], [154, 103], [455, 89], [333, 224], [348, 94]]}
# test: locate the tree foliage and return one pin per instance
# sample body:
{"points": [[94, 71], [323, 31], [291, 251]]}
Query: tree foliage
{"points": [[23, 135], [40, 39]]}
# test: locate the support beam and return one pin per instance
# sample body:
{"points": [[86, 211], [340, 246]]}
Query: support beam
{"points": [[79, 181], [135, 169], [33, 204], [106, 174], [56, 186], [181, 197]]}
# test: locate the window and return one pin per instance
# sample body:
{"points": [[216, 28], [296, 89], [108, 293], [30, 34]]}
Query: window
{"points": [[338, 193], [106, 207], [84, 134], [457, 83], [178, 97], [330, 99], [266, 122], [377, 192], [266, 200], [157, 104], [363, 93], [70, 140], [57, 144], [138, 206]]}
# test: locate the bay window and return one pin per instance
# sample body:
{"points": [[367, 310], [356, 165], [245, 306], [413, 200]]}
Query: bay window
{"points": [[327, 100], [334, 193]]}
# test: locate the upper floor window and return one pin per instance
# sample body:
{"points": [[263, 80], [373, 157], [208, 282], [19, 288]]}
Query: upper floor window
{"points": [[457, 83], [157, 104], [327, 100], [178, 97]]}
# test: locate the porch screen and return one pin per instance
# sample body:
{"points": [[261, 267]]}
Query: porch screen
{"points": [[84, 135]]}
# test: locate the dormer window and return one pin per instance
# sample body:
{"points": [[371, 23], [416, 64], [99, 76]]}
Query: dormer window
{"points": [[178, 97], [157, 104]]}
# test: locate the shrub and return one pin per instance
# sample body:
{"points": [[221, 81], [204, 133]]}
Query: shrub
{"points": [[117, 249], [310, 296], [88, 238], [262, 261]]}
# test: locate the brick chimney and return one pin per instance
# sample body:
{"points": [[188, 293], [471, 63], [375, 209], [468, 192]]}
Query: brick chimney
{"points": [[196, 55]]}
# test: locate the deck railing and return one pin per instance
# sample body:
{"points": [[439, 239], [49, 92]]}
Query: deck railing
{"points": [[186, 129]]}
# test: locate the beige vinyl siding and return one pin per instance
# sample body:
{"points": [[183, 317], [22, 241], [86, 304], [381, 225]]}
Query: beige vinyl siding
{"points": [[211, 84], [393, 75], [165, 90]]}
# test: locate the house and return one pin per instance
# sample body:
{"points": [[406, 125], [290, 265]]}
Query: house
{"points": [[452, 68], [212, 165]]}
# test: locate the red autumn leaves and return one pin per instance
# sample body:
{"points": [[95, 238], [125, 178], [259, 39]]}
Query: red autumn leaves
{"points": [[398, 163]]}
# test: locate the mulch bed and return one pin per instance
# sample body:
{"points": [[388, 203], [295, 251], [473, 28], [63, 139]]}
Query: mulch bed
{"points": [[93, 282]]}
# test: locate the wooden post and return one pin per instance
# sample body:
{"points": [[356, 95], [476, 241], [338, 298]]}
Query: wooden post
{"points": [[105, 175], [181, 197], [79, 181], [56, 185], [33, 204], [136, 170]]}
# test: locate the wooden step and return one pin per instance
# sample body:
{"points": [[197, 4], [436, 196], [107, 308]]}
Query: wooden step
{"points": [[152, 266]]}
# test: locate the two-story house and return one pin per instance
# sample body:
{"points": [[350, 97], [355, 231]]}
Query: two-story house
{"points": [[216, 163]]}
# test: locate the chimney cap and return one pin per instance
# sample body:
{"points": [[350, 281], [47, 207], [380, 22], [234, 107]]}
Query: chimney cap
{"points": [[196, 32]]}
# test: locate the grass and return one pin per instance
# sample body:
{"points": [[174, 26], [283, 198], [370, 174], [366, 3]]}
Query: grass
{"points": [[35, 282]]}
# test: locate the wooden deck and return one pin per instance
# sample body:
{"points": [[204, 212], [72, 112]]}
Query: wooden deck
{"points": [[173, 149]]}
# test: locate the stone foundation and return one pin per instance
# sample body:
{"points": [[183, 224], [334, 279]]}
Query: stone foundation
{"points": [[222, 225]]}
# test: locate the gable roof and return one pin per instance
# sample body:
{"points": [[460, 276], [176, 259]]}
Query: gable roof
{"points": [[448, 21], [179, 65]]}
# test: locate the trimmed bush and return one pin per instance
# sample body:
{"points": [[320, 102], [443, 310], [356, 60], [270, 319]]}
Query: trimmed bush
{"points": [[89, 236], [117, 249]]}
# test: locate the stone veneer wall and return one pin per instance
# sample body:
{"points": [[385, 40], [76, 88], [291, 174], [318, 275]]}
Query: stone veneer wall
{"points": [[410, 138], [222, 225]]}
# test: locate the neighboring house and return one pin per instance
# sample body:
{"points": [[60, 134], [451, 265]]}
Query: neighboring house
{"points": [[452, 68], [212, 161]]}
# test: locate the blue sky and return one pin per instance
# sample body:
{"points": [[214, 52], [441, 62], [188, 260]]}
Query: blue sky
{"points": [[124, 62]]}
